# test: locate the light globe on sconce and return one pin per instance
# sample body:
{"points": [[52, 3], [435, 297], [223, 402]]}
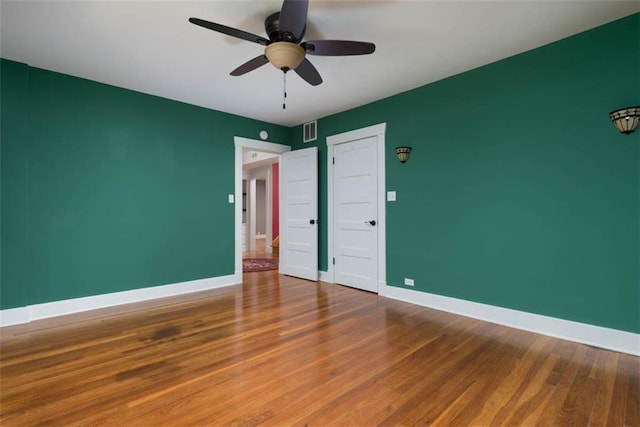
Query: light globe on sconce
{"points": [[403, 153], [626, 120]]}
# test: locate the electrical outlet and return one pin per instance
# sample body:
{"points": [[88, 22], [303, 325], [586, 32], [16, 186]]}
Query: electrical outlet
{"points": [[231, 198], [408, 282]]}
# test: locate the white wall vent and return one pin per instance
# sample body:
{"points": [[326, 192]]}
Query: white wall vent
{"points": [[309, 131]]}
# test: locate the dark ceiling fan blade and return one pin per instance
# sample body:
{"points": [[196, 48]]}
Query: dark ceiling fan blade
{"points": [[233, 32], [308, 72], [250, 65], [293, 17], [337, 47]]}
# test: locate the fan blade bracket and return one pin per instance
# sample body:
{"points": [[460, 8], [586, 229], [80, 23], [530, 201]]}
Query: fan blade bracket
{"points": [[288, 37], [337, 47], [293, 18]]}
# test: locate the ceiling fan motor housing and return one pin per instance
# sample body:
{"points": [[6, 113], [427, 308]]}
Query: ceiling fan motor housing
{"points": [[272, 27]]}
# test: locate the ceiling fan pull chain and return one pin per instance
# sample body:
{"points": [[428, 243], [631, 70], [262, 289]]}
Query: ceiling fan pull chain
{"points": [[284, 90]]}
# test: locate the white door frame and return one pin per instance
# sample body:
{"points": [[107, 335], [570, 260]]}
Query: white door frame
{"points": [[341, 138], [241, 144]]}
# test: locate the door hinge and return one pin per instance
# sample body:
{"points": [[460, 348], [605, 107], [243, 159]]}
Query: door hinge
{"points": [[334, 261], [333, 160]]}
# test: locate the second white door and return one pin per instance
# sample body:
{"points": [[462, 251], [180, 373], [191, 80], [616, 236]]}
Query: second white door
{"points": [[355, 211]]}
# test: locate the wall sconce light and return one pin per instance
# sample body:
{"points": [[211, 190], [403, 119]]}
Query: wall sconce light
{"points": [[403, 153], [626, 120]]}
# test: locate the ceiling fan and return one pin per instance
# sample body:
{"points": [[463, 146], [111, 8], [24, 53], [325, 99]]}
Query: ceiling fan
{"points": [[284, 47]]}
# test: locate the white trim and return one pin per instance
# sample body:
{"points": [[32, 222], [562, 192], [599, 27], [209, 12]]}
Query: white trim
{"points": [[256, 145], [370, 131], [14, 316], [612, 339], [30, 313], [325, 276], [241, 144]]}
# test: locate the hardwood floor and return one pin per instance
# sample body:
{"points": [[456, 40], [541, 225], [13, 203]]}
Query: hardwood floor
{"points": [[283, 351], [259, 252]]}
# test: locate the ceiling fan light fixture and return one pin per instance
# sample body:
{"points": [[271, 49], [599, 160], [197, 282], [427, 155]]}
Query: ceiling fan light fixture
{"points": [[284, 55], [283, 48]]}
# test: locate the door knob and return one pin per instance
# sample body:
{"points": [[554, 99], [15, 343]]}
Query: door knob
{"points": [[312, 221], [372, 222]]}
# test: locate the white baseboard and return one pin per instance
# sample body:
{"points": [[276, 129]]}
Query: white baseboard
{"points": [[612, 339], [14, 316], [30, 313], [237, 277], [325, 276]]}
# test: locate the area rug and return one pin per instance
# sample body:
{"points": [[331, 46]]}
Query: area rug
{"points": [[250, 265]]}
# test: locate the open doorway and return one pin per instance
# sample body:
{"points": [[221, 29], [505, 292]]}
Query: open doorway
{"points": [[256, 168], [260, 204]]}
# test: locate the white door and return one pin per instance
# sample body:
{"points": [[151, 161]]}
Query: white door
{"points": [[299, 213], [355, 192]]}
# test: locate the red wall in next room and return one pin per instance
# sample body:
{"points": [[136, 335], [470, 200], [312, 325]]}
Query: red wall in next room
{"points": [[275, 212]]}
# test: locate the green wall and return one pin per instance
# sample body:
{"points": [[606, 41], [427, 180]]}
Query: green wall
{"points": [[111, 189], [14, 89], [519, 192]]}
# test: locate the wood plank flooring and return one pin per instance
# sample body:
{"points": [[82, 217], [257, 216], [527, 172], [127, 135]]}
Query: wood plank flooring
{"points": [[283, 351]]}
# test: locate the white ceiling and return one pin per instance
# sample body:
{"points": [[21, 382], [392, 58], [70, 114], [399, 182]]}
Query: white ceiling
{"points": [[149, 46]]}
